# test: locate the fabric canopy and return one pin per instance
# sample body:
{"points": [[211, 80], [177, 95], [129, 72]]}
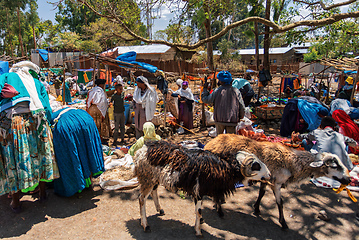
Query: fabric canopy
{"points": [[130, 57], [44, 54]]}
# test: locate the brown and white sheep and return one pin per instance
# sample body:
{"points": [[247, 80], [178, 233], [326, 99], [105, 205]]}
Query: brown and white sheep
{"points": [[197, 172], [286, 165]]}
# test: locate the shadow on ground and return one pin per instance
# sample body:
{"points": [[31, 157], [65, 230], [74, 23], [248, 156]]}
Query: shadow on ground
{"points": [[33, 212]]}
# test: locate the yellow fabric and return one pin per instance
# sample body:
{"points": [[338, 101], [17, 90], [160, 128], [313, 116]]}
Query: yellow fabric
{"points": [[349, 80], [149, 135]]}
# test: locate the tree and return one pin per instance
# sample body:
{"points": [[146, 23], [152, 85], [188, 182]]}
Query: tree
{"points": [[321, 15]]}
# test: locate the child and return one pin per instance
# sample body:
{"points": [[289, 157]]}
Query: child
{"points": [[117, 100]]}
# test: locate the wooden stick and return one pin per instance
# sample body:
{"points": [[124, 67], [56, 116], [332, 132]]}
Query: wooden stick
{"points": [[184, 127], [354, 87]]}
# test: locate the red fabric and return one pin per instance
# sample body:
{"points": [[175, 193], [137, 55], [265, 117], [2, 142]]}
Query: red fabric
{"points": [[347, 125], [8, 91]]}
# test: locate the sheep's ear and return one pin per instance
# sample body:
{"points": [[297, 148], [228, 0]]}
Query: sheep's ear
{"points": [[316, 164]]}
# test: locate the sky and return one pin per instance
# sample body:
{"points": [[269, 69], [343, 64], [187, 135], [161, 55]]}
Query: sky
{"points": [[46, 12]]}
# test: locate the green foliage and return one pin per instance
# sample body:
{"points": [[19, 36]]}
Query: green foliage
{"points": [[311, 56], [225, 47]]}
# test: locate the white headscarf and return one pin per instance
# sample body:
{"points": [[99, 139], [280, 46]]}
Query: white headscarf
{"points": [[22, 70], [185, 93], [119, 80], [179, 82], [148, 100], [98, 97]]}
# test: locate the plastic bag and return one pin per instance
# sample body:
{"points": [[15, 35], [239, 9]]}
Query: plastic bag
{"points": [[209, 118]]}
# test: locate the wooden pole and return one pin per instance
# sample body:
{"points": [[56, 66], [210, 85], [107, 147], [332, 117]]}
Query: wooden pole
{"points": [[164, 103], [280, 89], [63, 86], [94, 71], [354, 87]]}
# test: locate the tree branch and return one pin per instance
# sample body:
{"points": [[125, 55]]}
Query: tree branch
{"points": [[323, 5], [275, 27]]}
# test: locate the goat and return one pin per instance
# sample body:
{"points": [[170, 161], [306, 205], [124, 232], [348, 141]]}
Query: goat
{"points": [[197, 172], [286, 165]]}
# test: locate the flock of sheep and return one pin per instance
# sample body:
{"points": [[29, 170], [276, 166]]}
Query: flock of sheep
{"points": [[225, 161]]}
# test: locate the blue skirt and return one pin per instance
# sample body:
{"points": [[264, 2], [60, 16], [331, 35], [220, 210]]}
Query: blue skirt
{"points": [[78, 150]]}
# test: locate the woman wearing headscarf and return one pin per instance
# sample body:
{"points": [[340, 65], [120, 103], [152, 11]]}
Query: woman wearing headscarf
{"points": [[145, 100], [185, 105], [26, 149], [245, 88], [149, 135], [97, 106], [67, 94], [78, 150], [347, 127]]}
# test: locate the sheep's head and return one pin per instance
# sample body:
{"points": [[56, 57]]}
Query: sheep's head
{"points": [[252, 168], [334, 168]]}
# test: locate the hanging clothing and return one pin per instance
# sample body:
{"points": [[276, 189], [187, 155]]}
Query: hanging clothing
{"points": [[149, 135], [78, 150], [347, 127], [98, 97]]}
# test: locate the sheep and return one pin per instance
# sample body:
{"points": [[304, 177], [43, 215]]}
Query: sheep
{"points": [[197, 172], [286, 165]]}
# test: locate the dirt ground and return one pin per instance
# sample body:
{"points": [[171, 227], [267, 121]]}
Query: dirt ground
{"points": [[102, 214]]}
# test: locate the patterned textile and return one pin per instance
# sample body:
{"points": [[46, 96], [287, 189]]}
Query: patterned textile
{"points": [[78, 150], [102, 124], [27, 154]]}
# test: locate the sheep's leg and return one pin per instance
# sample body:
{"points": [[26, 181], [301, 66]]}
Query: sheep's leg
{"points": [[262, 191], [197, 226], [276, 190], [143, 196], [218, 206], [155, 200]]}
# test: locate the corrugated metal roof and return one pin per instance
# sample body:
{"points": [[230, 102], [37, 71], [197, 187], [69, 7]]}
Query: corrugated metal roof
{"points": [[215, 52], [302, 45], [261, 51], [302, 51], [153, 48]]}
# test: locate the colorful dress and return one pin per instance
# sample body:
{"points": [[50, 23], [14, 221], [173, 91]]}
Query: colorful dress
{"points": [[26, 149]]}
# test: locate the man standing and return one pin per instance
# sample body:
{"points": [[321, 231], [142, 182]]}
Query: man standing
{"points": [[228, 103]]}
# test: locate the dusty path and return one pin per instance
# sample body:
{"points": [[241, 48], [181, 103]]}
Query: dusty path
{"points": [[115, 215]]}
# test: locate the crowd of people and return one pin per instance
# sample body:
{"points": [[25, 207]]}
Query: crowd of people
{"points": [[65, 146]]}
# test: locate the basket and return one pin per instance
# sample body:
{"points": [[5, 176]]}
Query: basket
{"points": [[265, 112]]}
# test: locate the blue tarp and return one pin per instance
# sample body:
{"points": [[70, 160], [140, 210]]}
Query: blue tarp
{"points": [[4, 67], [350, 72], [44, 54], [130, 57]]}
